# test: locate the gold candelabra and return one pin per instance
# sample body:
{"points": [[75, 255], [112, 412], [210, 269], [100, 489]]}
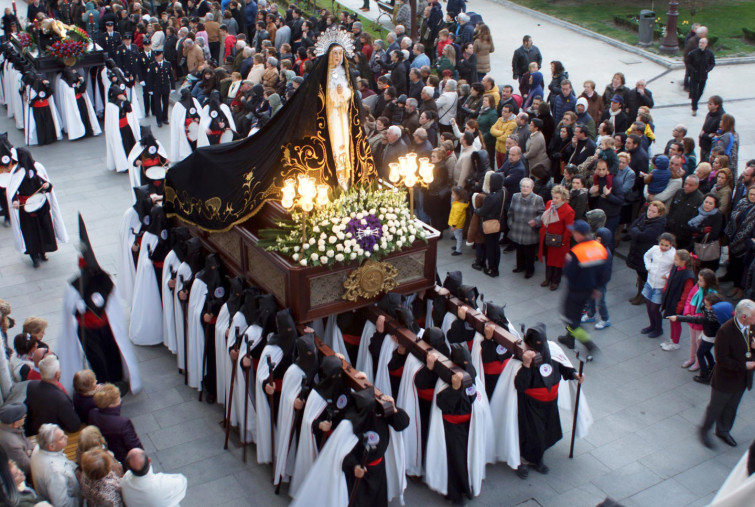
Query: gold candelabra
{"points": [[306, 195], [411, 172]]}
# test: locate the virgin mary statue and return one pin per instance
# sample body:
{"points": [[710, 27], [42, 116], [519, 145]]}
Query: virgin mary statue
{"points": [[318, 132]]}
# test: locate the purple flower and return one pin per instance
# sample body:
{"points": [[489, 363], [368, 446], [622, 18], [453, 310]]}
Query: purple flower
{"points": [[367, 231]]}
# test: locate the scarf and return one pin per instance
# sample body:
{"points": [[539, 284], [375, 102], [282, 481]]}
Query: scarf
{"points": [[695, 221], [697, 299], [551, 217]]}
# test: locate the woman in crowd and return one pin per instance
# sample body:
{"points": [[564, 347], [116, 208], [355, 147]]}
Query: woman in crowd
{"points": [[523, 218], [100, 483], [690, 160], [740, 230], [483, 46], [470, 108], [470, 126], [619, 140], [427, 120], [447, 61], [578, 198], [706, 228], [492, 210], [475, 235], [643, 235], [624, 178], [537, 154], [467, 65], [536, 83], [723, 190], [437, 197], [13, 489], [485, 121], [617, 87], [91, 438], [703, 174], [558, 74], [555, 236], [728, 140], [549, 124], [706, 284], [658, 260], [157, 37], [558, 149]]}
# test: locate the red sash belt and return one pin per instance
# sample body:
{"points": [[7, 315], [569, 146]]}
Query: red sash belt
{"points": [[375, 463], [158, 264], [91, 321], [157, 183], [213, 320], [542, 393], [470, 343], [494, 367], [151, 162], [188, 121], [78, 96], [352, 339], [123, 122], [40, 103], [216, 132], [278, 385], [255, 362], [426, 394], [23, 198], [457, 419], [397, 372]]}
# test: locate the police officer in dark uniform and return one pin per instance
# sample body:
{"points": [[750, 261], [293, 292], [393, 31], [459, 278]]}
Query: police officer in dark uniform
{"points": [[128, 56], [160, 86], [146, 57], [110, 40]]}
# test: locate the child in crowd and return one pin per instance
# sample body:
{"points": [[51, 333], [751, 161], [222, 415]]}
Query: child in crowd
{"points": [[458, 216], [658, 262], [84, 385], [680, 283], [716, 312], [706, 283]]}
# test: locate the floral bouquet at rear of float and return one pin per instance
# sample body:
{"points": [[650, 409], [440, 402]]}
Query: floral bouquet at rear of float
{"points": [[66, 49], [361, 223]]}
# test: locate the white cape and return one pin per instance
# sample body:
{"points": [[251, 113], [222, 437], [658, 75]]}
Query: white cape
{"points": [[70, 116], [408, 400], [30, 136], [146, 307], [325, 484], [285, 457], [264, 444], [179, 143], [195, 333], [72, 358], [738, 489], [183, 281], [205, 120], [170, 264], [17, 176], [130, 225], [117, 158], [364, 358], [222, 358], [306, 451], [334, 337], [134, 172]]}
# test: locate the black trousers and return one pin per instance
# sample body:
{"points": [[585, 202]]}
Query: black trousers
{"points": [[147, 101], [574, 303], [696, 88], [525, 257], [722, 409], [215, 50], [160, 105], [493, 251]]}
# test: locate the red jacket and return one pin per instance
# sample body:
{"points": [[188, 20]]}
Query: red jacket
{"points": [[556, 256]]}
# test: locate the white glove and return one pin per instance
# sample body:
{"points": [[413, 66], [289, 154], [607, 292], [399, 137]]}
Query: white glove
{"points": [[142, 83]]}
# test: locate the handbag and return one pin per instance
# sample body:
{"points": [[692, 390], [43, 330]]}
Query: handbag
{"points": [[493, 225], [553, 240], [708, 251]]}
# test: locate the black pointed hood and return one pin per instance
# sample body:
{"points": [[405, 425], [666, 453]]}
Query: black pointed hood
{"points": [[7, 151], [462, 358], [158, 222], [143, 203], [452, 281], [331, 383], [286, 336], [460, 332], [390, 303], [434, 337], [266, 309], [147, 138], [249, 306], [93, 283], [496, 314], [194, 254], [178, 238], [212, 274], [468, 294], [362, 409], [235, 295], [537, 340], [307, 356]]}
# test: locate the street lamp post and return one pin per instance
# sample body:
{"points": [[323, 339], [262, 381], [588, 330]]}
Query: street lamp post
{"points": [[670, 43]]}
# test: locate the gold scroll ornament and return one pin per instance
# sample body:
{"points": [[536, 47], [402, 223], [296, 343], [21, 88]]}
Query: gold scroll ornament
{"points": [[370, 280]]}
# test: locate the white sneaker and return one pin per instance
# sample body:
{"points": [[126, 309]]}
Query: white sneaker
{"points": [[665, 344], [602, 324], [670, 346]]}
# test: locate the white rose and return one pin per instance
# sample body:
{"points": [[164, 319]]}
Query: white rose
{"points": [[330, 253], [400, 243], [392, 230], [360, 216], [315, 229], [352, 215], [411, 239], [303, 262], [381, 216], [295, 257], [353, 256], [340, 236], [332, 240], [363, 221], [311, 241], [314, 256], [339, 257], [321, 248], [367, 254], [385, 228], [323, 260], [345, 221], [347, 249], [296, 248], [323, 236], [339, 247]]}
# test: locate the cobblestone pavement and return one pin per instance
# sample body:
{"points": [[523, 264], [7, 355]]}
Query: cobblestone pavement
{"points": [[642, 449]]}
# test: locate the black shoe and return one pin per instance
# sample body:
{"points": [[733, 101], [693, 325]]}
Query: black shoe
{"points": [[702, 379], [567, 340], [542, 468], [509, 248], [522, 472], [159, 125], [492, 273], [43, 257], [6, 222], [456, 253], [517, 270], [34, 262], [477, 267], [727, 438], [646, 330], [529, 274], [705, 438]]}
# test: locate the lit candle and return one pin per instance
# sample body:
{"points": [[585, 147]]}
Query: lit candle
{"points": [[15, 12], [322, 195], [394, 174]]}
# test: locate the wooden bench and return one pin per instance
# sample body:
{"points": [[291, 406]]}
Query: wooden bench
{"points": [[73, 443]]}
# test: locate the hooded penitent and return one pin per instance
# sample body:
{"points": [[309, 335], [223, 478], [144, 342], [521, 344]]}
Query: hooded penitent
{"points": [[307, 358], [434, 337], [331, 383], [537, 340], [93, 283], [286, 336]]}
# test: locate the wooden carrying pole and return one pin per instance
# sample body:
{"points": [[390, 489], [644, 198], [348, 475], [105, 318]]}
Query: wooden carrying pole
{"points": [[478, 320], [444, 367]]}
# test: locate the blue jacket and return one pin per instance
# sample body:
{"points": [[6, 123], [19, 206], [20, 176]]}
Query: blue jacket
{"points": [[563, 104], [250, 14], [587, 273]]}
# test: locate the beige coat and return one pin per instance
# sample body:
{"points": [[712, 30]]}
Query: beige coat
{"points": [[537, 154], [194, 58], [483, 50]]}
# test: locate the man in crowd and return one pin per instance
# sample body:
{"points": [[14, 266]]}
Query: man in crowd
{"points": [[142, 486], [684, 206], [523, 56], [744, 182], [53, 473], [12, 440], [677, 134], [47, 402]]}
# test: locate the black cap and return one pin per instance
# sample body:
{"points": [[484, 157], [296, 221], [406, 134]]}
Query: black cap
{"points": [[146, 41], [128, 35], [157, 52], [109, 23]]}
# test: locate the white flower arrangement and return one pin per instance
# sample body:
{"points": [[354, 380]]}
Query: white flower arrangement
{"points": [[359, 224]]}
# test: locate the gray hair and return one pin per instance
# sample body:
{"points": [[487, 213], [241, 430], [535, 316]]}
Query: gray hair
{"points": [[694, 178], [526, 180], [744, 309], [411, 102], [190, 42], [46, 435], [429, 91], [391, 35], [357, 24], [463, 18], [49, 367], [421, 133], [393, 129], [450, 86], [379, 43], [247, 52], [183, 31], [272, 61], [209, 17], [407, 40]]}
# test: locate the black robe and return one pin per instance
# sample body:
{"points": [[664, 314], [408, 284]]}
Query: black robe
{"points": [[494, 360], [425, 381], [80, 88], [457, 409], [40, 108], [539, 422], [396, 370], [36, 228], [373, 488]]}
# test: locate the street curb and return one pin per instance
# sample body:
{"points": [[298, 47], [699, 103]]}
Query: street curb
{"points": [[660, 60]]}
